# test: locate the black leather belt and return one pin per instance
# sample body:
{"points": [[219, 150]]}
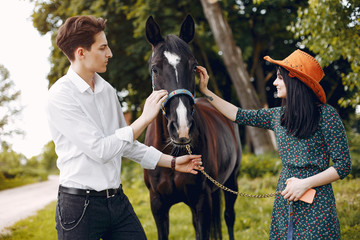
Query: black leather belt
{"points": [[108, 193]]}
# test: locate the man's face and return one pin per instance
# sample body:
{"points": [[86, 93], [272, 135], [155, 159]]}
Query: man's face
{"points": [[97, 58]]}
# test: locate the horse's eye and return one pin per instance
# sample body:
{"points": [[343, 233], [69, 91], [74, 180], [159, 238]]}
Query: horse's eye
{"points": [[154, 70]]}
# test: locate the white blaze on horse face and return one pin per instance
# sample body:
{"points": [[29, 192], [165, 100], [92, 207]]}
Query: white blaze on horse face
{"points": [[181, 112], [173, 60]]}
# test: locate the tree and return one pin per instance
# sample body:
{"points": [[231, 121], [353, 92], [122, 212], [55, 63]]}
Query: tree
{"points": [[9, 159], [258, 27], [332, 31], [236, 67], [8, 106], [48, 157], [126, 38]]}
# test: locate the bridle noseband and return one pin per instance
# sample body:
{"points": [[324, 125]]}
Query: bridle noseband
{"points": [[172, 94]]}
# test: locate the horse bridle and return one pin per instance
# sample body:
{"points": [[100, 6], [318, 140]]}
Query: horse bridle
{"points": [[172, 94]]}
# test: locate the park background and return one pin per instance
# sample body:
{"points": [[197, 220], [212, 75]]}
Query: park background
{"points": [[229, 35]]}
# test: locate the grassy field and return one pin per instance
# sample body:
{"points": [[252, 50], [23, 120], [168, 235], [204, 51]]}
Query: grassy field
{"points": [[252, 215]]}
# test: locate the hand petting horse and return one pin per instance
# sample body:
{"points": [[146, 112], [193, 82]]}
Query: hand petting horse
{"points": [[188, 121]]}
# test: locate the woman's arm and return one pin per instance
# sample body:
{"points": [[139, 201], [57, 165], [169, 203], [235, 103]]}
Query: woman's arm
{"points": [[226, 108]]}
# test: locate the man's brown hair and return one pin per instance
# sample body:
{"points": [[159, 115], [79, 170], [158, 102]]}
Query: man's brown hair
{"points": [[77, 32]]}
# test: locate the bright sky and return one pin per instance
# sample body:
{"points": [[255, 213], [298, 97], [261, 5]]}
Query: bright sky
{"points": [[24, 52]]}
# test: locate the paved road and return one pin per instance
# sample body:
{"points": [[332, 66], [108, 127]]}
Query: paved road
{"points": [[22, 202]]}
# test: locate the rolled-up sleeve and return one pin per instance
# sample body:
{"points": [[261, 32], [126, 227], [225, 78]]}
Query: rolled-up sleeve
{"points": [[336, 141], [147, 157]]}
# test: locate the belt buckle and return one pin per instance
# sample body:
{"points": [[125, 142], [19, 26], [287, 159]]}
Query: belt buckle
{"points": [[109, 196]]}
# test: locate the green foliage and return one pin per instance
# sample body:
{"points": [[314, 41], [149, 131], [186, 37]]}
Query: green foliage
{"points": [[16, 170], [48, 157], [14, 174], [127, 70], [354, 144], [254, 166], [23, 177], [259, 28], [347, 194], [8, 107], [353, 135], [331, 30], [10, 159]]}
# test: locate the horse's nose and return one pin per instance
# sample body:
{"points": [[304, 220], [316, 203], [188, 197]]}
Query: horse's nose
{"points": [[184, 141], [181, 131]]}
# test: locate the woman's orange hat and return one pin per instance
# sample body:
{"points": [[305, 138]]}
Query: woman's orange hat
{"points": [[305, 68]]}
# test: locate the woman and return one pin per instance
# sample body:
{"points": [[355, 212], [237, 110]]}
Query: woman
{"points": [[309, 133]]}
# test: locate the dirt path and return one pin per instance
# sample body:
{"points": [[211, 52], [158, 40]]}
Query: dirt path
{"points": [[22, 202]]}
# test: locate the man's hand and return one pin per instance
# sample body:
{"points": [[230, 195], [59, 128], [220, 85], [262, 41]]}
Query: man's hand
{"points": [[151, 110], [189, 164], [153, 104], [186, 163]]}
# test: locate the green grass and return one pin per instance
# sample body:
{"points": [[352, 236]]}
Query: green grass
{"points": [[252, 215], [40, 226], [18, 182]]}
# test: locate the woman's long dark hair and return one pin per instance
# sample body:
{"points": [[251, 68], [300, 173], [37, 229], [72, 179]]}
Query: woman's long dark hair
{"points": [[301, 107]]}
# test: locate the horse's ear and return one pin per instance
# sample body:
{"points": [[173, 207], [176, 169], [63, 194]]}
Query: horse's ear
{"points": [[153, 34], [187, 31]]}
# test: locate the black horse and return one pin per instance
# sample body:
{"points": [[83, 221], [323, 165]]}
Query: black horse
{"points": [[188, 121]]}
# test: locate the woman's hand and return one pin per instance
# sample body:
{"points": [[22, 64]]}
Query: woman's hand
{"points": [[152, 105], [204, 79], [295, 188], [188, 164]]}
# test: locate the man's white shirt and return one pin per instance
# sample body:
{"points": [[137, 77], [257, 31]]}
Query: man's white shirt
{"points": [[91, 135]]}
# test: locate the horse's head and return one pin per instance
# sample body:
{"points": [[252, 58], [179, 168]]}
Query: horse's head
{"points": [[173, 67]]}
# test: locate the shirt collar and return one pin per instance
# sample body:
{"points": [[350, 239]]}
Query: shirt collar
{"points": [[80, 83], [99, 83]]}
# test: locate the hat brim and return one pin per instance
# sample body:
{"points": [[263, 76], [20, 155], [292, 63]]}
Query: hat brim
{"points": [[311, 83]]}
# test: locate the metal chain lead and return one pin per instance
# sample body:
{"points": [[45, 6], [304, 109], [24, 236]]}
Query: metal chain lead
{"points": [[241, 194]]}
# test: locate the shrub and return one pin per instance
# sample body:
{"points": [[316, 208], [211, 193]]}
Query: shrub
{"points": [[258, 165]]}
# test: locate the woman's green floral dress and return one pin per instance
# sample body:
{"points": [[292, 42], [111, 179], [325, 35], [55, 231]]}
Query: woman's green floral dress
{"points": [[302, 158]]}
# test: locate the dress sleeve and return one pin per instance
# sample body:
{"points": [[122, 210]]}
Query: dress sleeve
{"points": [[262, 118], [336, 140]]}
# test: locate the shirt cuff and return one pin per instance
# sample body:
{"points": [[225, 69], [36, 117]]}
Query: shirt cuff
{"points": [[151, 158], [125, 134]]}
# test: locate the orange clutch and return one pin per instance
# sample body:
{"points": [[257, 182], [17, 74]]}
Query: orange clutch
{"points": [[308, 196]]}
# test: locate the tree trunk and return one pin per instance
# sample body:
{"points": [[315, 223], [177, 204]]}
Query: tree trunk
{"points": [[235, 66], [205, 59]]}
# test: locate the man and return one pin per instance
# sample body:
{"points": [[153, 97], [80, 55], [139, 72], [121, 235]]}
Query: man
{"points": [[91, 136]]}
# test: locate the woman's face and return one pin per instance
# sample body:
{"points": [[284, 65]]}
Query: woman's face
{"points": [[280, 85]]}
